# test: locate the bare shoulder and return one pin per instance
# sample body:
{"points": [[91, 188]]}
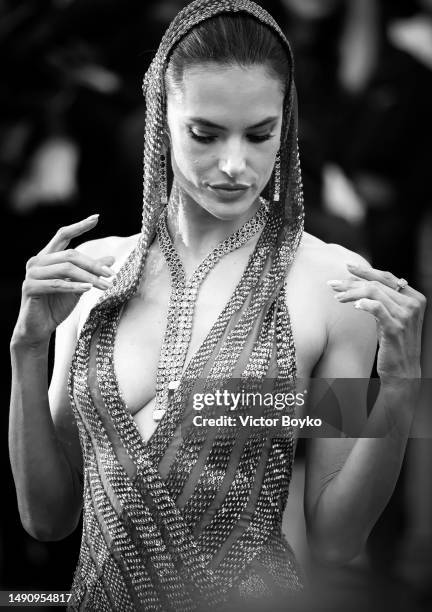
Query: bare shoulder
{"points": [[317, 262], [322, 258], [346, 335], [118, 247]]}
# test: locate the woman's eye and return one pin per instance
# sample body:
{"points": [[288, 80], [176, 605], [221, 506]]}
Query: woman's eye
{"points": [[257, 138], [201, 137]]}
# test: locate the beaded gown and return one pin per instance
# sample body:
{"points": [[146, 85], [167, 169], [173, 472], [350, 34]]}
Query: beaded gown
{"points": [[192, 518]]}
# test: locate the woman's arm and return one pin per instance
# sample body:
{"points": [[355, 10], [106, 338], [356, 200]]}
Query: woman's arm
{"points": [[44, 446], [349, 481], [45, 465]]}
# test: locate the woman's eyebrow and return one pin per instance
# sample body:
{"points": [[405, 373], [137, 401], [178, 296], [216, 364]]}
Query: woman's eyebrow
{"points": [[221, 127]]}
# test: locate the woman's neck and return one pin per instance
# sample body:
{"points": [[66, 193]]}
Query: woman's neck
{"points": [[196, 232]]}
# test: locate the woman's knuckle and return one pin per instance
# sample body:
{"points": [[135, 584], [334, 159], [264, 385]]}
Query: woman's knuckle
{"points": [[70, 254], [422, 301], [388, 276], [31, 262], [56, 283], [69, 268], [377, 308], [30, 287], [412, 305]]}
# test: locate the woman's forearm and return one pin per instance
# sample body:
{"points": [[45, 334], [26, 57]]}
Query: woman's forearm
{"points": [[49, 499], [353, 500]]}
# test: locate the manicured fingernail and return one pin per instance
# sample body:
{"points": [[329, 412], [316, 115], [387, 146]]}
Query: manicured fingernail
{"points": [[339, 296], [105, 283], [107, 271], [334, 283], [93, 217]]}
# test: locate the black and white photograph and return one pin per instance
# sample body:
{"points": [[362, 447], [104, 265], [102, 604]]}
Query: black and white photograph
{"points": [[216, 320]]}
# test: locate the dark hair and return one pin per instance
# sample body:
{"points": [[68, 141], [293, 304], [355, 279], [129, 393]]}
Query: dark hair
{"points": [[229, 39]]}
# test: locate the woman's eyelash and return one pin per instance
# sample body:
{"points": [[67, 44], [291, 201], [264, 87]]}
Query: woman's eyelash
{"points": [[256, 138], [201, 138], [207, 139]]}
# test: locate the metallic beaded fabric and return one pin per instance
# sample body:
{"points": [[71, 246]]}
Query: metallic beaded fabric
{"points": [[191, 519], [183, 298]]}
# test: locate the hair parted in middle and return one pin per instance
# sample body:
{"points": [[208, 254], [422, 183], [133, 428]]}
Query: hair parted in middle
{"points": [[226, 32]]}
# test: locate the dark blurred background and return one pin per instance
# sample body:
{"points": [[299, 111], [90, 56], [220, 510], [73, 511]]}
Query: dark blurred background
{"points": [[71, 129]]}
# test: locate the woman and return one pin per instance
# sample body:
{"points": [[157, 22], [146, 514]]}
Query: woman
{"points": [[217, 286]]}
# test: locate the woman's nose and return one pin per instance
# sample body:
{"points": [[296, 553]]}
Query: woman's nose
{"points": [[232, 161]]}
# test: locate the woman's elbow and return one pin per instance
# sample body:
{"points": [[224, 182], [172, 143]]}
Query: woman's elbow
{"points": [[334, 555], [332, 558], [50, 522], [47, 532]]}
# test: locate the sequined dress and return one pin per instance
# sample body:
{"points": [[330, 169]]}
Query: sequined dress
{"points": [[192, 518]]}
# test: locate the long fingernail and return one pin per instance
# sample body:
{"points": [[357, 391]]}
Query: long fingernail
{"points": [[107, 271], [334, 283], [105, 283]]}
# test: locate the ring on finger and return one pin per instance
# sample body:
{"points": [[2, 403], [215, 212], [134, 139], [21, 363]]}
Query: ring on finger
{"points": [[401, 283]]}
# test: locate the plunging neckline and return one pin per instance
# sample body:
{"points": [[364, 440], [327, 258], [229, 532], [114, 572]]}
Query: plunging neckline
{"points": [[120, 393], [147, 445]]}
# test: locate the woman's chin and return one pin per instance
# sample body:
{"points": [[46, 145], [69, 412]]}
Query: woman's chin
{"points": [[228, 211]]}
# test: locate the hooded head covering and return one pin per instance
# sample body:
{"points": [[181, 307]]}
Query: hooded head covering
{"points": [[290, 205]]}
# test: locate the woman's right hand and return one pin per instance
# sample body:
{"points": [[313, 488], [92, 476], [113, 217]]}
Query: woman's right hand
{"points": [[55, 280]]}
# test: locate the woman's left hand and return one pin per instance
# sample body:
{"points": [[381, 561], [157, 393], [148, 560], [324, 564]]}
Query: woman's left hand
{"points": [[399, 316]]}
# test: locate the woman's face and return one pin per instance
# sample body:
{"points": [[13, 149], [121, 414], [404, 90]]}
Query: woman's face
{"points": [[224, 125]]}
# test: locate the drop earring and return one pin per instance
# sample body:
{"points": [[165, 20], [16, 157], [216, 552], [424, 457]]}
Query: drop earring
{"points": [[163, 189], [163, 179], [276, 194]]}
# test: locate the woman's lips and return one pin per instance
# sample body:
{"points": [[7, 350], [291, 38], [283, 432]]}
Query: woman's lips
{"points": [[228, 194]]}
